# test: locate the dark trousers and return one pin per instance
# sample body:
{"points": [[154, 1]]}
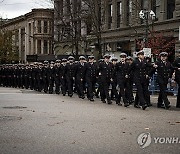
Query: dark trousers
{"points": [[90, 87], [104, 89], [70, 83], [114, 92], [142, 91], [162, 94], [51, 85], [26, 82], [57, 85], [63, 85], [129, 91], [40, 84], [80, 86], [122, 86], [31, 83], [178, 97], [45, 84]]}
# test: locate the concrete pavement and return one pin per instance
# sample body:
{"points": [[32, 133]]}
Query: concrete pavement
{"points": [[32, 122]]}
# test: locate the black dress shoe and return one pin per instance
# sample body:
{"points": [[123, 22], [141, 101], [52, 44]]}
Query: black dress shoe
{"points": [[109, 102], [144, 107], [103, 101], [161, 106], [97, 96], [91, 99], [167, 107], [120, 104], [70, 95], [149, 105], [137, 106], [64, 94], [117, 101], [82, 97], [126, 104], [177, 106]]}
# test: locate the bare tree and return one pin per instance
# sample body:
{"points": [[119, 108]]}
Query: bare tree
{"points": [[69, 23], [94, 18]]}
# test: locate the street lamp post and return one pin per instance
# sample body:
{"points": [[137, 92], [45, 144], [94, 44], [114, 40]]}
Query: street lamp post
{"points": [[146, 15]]}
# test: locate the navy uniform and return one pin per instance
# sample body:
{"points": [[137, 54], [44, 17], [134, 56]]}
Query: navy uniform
{"points": [[2, 75], [18, 76], [26, 77], [63, 76], [39, 77], [45, 76], [140, 72], [176, 66], [98, 79], [114, 93], [129, 83], [30, 76], [105, 76], [57, 75], [22, 76], [122, 75], [51, 77], [70, 74], [164, 72], [91, 77], [80, 76]]}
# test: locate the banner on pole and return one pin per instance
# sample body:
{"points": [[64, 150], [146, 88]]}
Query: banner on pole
{"points": [[147, 52]]}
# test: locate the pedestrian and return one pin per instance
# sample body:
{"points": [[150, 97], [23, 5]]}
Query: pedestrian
{"points": [[63, 76], [122, 76], [45, 76], [105, 76], [164, 72], [114, 92], [176, 66], [57, 75], [70, 75], [129, 83], [51, 77], [91, 77], [80, 76], [139, 68]]}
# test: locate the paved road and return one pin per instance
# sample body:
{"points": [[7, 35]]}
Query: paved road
{"points": [[32, 122]]}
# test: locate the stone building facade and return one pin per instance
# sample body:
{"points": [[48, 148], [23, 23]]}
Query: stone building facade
{"points": [[69, 29], [122, 25], [33, 33]]}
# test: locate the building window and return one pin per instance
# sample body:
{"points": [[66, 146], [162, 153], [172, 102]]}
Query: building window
{"points": [[50, 48], [170, 8], [50, 27], [129, 11], [110, 12], [39, 47], [144, 4], [45, 27], [119, 13], [156, 8], [45, 47], [39, 26], [29, 28]]}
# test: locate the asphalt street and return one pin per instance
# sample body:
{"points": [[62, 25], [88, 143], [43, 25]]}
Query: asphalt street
{"points": [[32, 123]]}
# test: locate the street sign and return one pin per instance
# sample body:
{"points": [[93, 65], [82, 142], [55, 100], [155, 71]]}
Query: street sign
{"points": [[147, 52]]}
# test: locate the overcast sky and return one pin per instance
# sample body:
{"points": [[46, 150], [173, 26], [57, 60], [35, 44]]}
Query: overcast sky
{"points": [[14, 8]]}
